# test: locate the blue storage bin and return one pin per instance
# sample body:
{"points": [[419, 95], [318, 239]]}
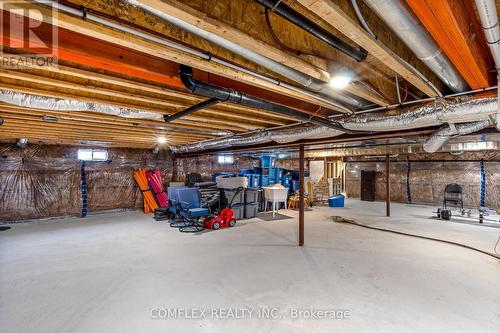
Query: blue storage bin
{"points": [[278, 174], [336, 201], [266, 161], [272, 173], [249, 178], [264, 180], [296, 174], [271, 181], [285, 181], [246, 171], [261, 171], [255, 181]]}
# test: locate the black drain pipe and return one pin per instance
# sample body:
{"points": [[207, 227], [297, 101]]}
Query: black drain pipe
{"points": [[303, 22], [224, 94], [200, 106]]}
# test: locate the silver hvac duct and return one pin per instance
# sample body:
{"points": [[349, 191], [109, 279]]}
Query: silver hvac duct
{"points": [[432, 114], [59, 104], [400, 19], [277, 67], [489, 20], [438, 139]]}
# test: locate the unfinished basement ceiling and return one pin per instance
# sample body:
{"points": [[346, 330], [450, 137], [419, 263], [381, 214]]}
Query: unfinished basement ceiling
{"points": [[116, 88]]}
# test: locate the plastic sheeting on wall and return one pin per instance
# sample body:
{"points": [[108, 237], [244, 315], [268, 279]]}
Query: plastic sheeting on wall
{"points": [[428, 179], [36, 187], [207, 165], [44, 181]]}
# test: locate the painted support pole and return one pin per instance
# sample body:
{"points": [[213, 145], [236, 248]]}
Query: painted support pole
{"points": [[301, 195], [387, 186]]}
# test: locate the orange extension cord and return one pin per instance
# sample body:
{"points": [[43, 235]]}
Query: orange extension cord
{"points": [[140, 176]]}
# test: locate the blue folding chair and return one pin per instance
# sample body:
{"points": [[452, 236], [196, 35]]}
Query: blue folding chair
{"points": [[190, 210], [173, 207]]}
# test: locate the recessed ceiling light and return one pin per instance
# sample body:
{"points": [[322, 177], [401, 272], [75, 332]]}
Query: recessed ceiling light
{"points": [[340, 81], [161, 139]]}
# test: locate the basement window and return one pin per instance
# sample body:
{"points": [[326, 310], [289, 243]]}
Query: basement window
{"points": [[86, 154], [225, 159]]}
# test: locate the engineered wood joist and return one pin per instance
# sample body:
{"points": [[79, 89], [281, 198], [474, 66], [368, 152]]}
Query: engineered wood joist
{"points": [[98, 126], [166, 106], [94, 118], [174, 97], [20, 128], [457, 30], [255, 44], [125, 40], [192, 121]]}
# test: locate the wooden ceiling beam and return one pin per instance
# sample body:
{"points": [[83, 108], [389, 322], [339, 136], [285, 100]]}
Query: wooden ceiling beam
{"points": [[18, 129], [77, 143], [173, 96], [38, 138], [111, 128], [332, 13], [167, 107], [97, 119], [65, 127], [456, 29], [151, 49], [219, 28], [206, 123], [228, 32]]}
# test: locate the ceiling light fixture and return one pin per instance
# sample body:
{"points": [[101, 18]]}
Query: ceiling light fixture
{"points": [[340, 81], [161, 139]]}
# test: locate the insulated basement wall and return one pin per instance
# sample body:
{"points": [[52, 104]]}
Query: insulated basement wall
{"points": [[429, 174], [207, 165], [43, 181]]}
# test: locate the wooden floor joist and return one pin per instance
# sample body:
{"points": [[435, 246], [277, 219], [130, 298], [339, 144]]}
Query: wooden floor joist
{"points": [[464, 44], [168, 106], [184, 99], [197, 120], [115, 37]]}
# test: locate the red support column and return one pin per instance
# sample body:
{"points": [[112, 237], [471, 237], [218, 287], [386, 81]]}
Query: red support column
{"points": [[301, 195]]}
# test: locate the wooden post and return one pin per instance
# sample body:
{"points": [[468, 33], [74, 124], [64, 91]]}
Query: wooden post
{"points": [[301, 195], [387, 186]]}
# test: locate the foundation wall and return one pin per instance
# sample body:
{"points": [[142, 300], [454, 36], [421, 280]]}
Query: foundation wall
{"points": [[43, 181], [428, 176]]}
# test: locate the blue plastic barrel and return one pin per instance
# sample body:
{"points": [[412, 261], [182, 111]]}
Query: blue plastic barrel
{"points": [[336, 201]]}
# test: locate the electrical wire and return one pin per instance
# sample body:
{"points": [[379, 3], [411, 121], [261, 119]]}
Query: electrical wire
{"points": [[495, 248], [352, 222], [279, 42]]}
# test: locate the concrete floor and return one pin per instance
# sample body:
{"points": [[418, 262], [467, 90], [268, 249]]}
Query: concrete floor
{"points": [[106, 273]]}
